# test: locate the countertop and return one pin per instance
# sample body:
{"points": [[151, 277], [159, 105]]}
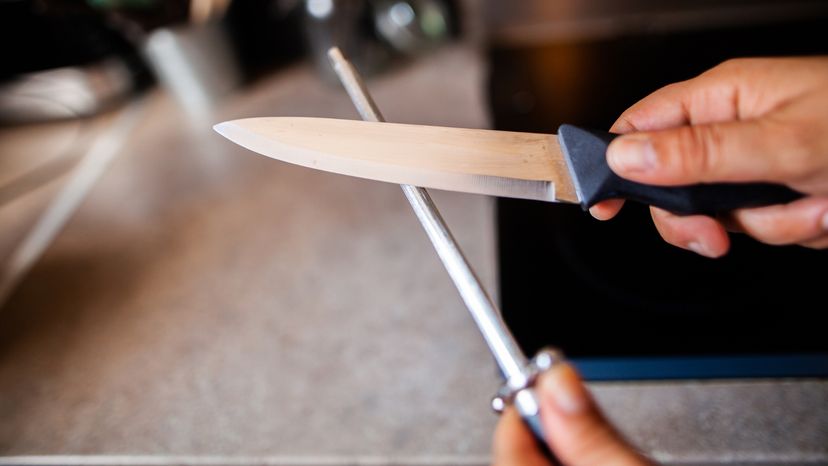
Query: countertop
{"points": [[206, 305]]}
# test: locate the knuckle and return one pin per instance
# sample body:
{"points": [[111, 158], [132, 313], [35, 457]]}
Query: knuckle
{"points": [[698, 154], [802, 142], [778, 225], [735, 70], [626, 123], [674, 88], [731, 64], [666, 228], [735, 65], [774, 238], [767, 232], [722, 69]]}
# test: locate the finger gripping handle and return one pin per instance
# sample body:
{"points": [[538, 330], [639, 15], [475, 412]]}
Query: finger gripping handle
{"points": [[585, 151]]}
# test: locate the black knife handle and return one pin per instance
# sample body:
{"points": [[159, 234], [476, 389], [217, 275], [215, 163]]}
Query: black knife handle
{"points": [[586, 151]]}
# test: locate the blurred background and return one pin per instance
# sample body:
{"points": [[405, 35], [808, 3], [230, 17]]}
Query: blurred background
{"points": [[200, 49], [167, 297]]}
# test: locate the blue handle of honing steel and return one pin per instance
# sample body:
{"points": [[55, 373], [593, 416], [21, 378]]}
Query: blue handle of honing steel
{"points": [[586, 150]]}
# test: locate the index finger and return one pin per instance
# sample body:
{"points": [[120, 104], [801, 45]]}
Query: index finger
{"points": [[697, 101]]}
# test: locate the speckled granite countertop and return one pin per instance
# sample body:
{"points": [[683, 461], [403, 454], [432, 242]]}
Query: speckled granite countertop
{"points": [[207, 306]]}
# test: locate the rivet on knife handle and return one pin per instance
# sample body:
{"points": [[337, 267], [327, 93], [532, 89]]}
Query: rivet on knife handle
{"points": [[585, 152]]}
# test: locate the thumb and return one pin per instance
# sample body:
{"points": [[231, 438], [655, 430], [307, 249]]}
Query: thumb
{"points": [[718, 152], [574, 426]]}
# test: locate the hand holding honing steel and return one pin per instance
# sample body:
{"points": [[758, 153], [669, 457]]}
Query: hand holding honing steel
{"points": [[570, 167]]}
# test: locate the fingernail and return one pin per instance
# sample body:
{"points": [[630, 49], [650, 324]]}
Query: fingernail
{"points": [[632, 154], [700, 248], [565, 388]]}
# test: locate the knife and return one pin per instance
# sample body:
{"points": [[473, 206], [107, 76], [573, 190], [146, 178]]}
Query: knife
{"points": [[570, 167]]}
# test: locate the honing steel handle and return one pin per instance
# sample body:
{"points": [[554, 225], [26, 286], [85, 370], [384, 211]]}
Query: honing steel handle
{"points": [[526, 399], [586, 151], [533, 421]]}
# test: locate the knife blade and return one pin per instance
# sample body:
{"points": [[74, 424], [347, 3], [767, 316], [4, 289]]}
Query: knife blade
{"points": [[568, 167]]}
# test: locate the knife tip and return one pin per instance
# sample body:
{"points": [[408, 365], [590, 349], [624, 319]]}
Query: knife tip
{"points": [[222, 128]]}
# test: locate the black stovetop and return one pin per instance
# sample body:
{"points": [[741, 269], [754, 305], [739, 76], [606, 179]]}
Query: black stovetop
{"points": [[613, 295]]}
